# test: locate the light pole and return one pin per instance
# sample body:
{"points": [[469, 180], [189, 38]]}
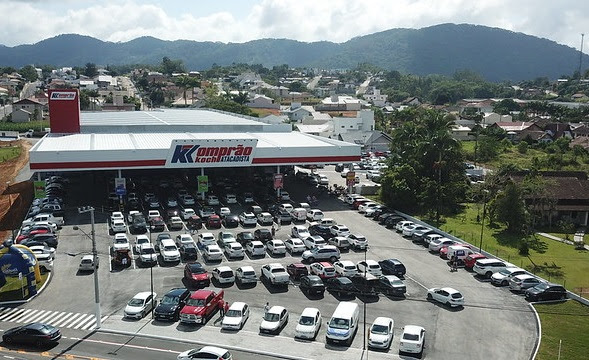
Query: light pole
{"points": [[151, 278], [483, 219], [364, 308], [83, 210]]}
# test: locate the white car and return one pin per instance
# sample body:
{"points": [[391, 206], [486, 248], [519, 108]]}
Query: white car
{"points": [[358, 241], [169, 251], [435, 245], [323, 179], [246, 275], [248, 218], [294, 245], [87, 263], [265, 218], [175, 223], [447, 296], [502, 277], [187, 213], [140, 305], [286, 206], [212, 253], [234, 250], [309, 324], [345, 268], [236, 316], [370, 267], [226, 237], [314, 215], [212, 200], [224, 211], [412, 340], [381, 333], [207, 352], [300, 231], [400, 224], [409, 230], [117, 215], [206, 239], [230, 199], [184, 239], [362, 208], [276, 247], [187, 200], [152, 214], [223, 275], [428, 239], [44, 256], [141, 240], [147, 254], [339, 230], [523, 282], [255, 248], [120, 242], [314, 241], [118, 226], [274, 320]]}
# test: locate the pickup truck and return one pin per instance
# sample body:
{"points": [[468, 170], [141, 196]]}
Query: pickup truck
{"points": [[57, 220], [201, 306], [276, 274]]}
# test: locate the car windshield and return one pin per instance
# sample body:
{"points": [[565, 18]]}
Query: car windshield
{"points": [[541, 286], [409, 336], [271, 317], [170, 300], [120, 241], [456, 296], [379, 329], [233, 313], [169, 248], [397, 282], [374, 266], [135, 302], [197, 269], [277, 270], [195, 302], [337, 323], [307, 320], [249, 273], [147, 251]]}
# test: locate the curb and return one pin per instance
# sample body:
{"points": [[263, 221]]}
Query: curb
{"points": [[168, 338], [20, 302], [539, 333]]}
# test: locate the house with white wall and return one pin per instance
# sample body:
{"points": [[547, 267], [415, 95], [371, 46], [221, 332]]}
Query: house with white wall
{"points": [[376, 98]]}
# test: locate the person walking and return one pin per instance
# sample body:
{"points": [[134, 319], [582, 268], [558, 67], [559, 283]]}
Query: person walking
{"points": [[266, 307], [273, 230], [454, 263]]}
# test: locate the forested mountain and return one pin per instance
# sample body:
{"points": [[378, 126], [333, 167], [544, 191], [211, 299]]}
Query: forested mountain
{"points": [[496, 54]]}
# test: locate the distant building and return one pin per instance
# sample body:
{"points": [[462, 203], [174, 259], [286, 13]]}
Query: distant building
{"points": [[376, 98], [262, 101], [21, 116], [339, 103], [33, 107], [492, 118]]}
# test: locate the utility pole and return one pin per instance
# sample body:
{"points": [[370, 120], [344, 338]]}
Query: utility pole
{"points": [[98, 315], [581, 57]]}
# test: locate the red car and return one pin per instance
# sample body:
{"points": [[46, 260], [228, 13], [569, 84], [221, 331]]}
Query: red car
{"points": [[30, 234], [472, 259], [323, 269], [196, 275], [214, 222], [359, 202], [201, 306], [297, 270]]}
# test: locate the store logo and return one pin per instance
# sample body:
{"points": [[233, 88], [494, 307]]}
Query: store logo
{"points": [[63, 95], [216, 154]]}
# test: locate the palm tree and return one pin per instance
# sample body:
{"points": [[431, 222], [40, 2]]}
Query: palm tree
{"points": [[186, 82]]}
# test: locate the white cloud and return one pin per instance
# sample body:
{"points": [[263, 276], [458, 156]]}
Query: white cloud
{"points": [[304, 20]]}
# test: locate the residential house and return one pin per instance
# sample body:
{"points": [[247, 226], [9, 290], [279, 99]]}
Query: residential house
{"points": [[339, 103], [273, 119], [296, 112], [21, 115], [364, 122], [581, 130], [262, 101], [480, 106], [118, 105], [492, 118], [376, 98], [461, 132], [106, 81], [33, 107], [518, 130], [324, 129], [558, 130], [566, 196], [373, 141], [411, 101]]}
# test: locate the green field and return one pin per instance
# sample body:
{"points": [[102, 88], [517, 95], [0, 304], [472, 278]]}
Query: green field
{"points": [[22, 127], [555, 261], [7, 153], [565, 321]]}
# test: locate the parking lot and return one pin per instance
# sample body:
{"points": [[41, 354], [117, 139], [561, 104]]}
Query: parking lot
{"points": [[505, 326]]}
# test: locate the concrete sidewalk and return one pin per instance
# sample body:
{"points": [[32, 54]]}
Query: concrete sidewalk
{"points": [[248, 341], [578, 237]]}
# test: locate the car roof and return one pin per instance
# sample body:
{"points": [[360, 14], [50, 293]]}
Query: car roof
{"points": [[325, 264], [176, 292], [298, 265], [525, 276], [143, 295], [276, 309], [450, 290], [412, 329], [88, 257], [309, 311], [213, 350], [224, 268], [274, 265], [247, 268], [256, 242], [238, 305], [371, 262], [347, 262], [382, 320], [207, 234]]}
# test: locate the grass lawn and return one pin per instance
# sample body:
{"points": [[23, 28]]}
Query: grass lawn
{"points": [[554, 261], [12, 289], [7, 153], [565, 321]]}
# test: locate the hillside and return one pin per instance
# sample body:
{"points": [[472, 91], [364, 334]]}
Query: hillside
{"points": [[496, 54]]}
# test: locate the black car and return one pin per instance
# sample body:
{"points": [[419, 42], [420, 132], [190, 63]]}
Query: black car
{"points": [[263, 235], [157, 224], [392, 267], [366, 284], [244, 237], [381, 218], [320, 230], [134, 204], [546, 291], [391, 221], [282, 217], [49, 239], [37, 334], [230, 221], [138, 224], [379, 211], [188, 251], [312, 284], [341, 286], [171, 304], [391, 285]]}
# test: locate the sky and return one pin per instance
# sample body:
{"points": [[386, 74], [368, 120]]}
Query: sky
{"points": [[30, 21]]}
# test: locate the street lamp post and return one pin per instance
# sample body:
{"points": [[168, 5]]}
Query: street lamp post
{"points": [[483, 219], [90, 209], [151, 278], [364, 308]]}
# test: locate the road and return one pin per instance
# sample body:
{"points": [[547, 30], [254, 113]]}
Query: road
{"points": [[362, 88], [313, 83], [491, 316]]}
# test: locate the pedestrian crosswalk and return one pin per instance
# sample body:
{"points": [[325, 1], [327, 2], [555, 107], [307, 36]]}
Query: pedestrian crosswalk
{"points": [[60, 319]]}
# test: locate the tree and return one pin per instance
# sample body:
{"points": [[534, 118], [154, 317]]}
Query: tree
{"points": [[185, 83], [90, 70], [397, 189], [169, 66], [296, 86], [505, 107], [511, 208], [28, 72]]}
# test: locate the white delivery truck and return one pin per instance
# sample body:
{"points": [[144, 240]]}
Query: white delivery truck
{"points": [[343, 325]]}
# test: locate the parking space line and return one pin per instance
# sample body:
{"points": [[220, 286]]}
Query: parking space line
{"points": [[132, 257], [109, 259], [417, 282]]}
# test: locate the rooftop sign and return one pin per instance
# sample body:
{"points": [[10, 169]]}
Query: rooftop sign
{"points": [[211, 153]]}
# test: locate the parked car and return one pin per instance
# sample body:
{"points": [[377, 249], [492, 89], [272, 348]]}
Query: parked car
{"points": [[294, 245], [275, 274], [312, 285], [87, 263], [369, 266], [196, 275], [322, 269], [345, 268], [309, 324], [246, 275], [230, 221], [342, 243], [282, 217], [314, 241], [487, 267], [471, 260], [399, 225], [546, 291], [341, 286], [436, 244], [314, 215], [381, 332], [147, 254], [300, 231], [175, 223], [339, 230], [244, 237], [320, 230], [501, 278], [392, 267], [37, 334], [205, 239], [140, 305], [248, 219], [297, 270], [223, 275], [212, 253], [255, 248], [206, 352], [412, 340], [171, 304], [265, 218], [391, 285], [523, 282], [274, 320], [447, 296], [276, 247], [234, 250], [186, 213], [358, 241], [121, 242], [236, 316], [118, 226], [264, 235], [326, 253]]}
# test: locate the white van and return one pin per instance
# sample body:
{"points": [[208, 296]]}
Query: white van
{"points": [[343, 325], [460, 251], [299, 214]]}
